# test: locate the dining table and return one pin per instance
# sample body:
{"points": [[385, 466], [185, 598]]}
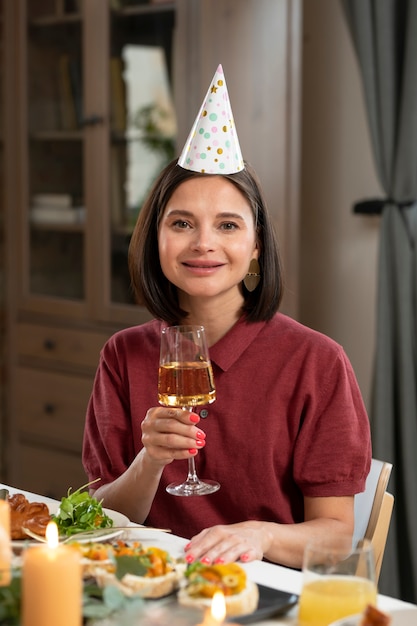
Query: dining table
{"points": [[261, 572]]}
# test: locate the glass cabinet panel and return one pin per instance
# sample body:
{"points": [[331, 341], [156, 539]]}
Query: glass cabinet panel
{"points": [[143, 125], [56, 212]]}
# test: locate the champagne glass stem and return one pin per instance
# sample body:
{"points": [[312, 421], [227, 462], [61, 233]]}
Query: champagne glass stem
{"points": [[192, 479], [192, 486], [192, 475]]}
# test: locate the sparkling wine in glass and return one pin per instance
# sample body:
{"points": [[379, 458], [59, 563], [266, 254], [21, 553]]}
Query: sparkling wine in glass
{"points": [[185, 381]]}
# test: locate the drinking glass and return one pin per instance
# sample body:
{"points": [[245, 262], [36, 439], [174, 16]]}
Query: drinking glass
{"points": [[338, 580], [186, 380]]}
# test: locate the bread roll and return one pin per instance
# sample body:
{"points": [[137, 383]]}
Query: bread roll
{"points": [[241, 595]]}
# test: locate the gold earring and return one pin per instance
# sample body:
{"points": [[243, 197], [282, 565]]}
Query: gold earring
{"points": [[252, 278]]}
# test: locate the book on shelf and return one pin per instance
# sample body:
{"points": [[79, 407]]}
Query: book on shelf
{"points": [[70, 92], [118, 95], [117, 177], [75, 71], [57, 215], [55, 200], [66, 99]]}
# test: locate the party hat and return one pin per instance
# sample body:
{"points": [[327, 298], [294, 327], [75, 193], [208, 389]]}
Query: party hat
{"points": [[212, 146]]}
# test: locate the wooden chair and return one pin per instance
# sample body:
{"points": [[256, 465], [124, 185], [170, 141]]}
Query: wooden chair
{"points": [[373, 510]]}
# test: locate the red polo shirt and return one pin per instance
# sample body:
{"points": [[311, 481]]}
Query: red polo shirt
{"points": [[288, 421]]}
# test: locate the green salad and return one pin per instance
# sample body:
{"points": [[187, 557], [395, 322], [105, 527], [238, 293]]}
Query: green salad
{"points": [[79, 511]]}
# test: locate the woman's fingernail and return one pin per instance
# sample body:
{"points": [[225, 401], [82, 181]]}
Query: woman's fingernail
{"points": [[244, 557], [194, 418], [200, 443], [188, 546], [219, 561], [205, 560], [200, 434], [192, 450], [189, 558]]}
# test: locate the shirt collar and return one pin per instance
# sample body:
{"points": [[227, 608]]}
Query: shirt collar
{"points": [[229, 348]]}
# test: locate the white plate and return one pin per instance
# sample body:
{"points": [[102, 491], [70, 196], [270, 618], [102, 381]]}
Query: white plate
{"points": [[165, 541], [400, 617], [105, 534]]}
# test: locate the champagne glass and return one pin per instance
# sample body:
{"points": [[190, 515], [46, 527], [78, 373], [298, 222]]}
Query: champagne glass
{"points": [[186, 380], [338, 580]]}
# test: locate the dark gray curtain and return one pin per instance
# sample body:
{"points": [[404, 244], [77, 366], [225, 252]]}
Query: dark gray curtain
{"points": [[384, 33]]}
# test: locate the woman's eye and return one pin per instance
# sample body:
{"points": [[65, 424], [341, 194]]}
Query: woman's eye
{"points": [[181, 224], [229, 226]]}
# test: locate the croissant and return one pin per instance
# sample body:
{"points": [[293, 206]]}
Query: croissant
{"points": [[32, 515], [374, 617]]}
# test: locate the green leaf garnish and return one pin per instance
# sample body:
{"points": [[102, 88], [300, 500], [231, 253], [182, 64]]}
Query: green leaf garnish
{"points": [[127, 564], [79, 511]]}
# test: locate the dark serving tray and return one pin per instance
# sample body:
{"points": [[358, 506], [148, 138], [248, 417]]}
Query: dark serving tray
{"points": [[271, 602]]}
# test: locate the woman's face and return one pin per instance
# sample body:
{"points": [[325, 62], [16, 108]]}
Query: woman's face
{"points": [[207, 238]]}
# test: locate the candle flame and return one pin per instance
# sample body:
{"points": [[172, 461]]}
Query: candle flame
{"points": [[218, 607], [51, 535]]}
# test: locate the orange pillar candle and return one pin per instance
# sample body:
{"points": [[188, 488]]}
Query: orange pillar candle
{"points": [[5, 545], [51, 584]]}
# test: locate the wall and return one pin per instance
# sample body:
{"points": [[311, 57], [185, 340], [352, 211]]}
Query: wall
{"points": [[338, 249]]}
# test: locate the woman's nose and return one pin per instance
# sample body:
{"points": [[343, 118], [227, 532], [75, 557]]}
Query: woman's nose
{"points": [[204, 239]]}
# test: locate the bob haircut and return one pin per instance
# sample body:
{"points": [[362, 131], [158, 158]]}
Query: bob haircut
{"points": [[153, 290]]}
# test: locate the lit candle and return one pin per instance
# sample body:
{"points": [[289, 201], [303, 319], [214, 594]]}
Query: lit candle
{"points": [[5, 544], [218, 608], [52, 583], [216, 614]]}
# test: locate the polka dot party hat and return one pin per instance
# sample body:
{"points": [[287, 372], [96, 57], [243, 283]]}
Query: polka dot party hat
{"points": [[212, 146]]}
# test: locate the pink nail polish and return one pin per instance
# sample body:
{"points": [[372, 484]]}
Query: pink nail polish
{"points": [[188, 546], [189, 558], [200, 443], [205, 560], [194, 418], [244, 557], [200, 434], [219, 561], [192, 450]]}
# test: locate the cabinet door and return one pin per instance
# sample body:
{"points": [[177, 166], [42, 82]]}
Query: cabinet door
{"points": [[95, 124], [129, 84], [53, 208]]}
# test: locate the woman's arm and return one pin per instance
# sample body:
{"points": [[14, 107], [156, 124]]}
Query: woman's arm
{"points": [[167, 435], [279, 543]]}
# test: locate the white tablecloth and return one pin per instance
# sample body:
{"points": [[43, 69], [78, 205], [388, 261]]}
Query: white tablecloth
{"points": [[267, 574]]}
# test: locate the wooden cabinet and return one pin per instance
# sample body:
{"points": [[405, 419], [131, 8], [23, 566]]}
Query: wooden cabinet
{"points": [[98, 95], [88, 79]]}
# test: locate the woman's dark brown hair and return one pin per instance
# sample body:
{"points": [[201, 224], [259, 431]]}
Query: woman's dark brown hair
{"points": [[157, 293]]}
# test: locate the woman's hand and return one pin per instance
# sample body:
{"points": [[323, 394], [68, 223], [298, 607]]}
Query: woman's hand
{"points": [[170, 434], [245, 541], [279, 543]]}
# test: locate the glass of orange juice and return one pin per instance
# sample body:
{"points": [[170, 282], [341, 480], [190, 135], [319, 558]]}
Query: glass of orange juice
{"points": [[338, 580]]}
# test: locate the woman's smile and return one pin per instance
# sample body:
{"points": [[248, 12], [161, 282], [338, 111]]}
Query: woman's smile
{"points": [[203, 267]]}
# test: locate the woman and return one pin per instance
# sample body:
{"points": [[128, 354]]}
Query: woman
{"points": [[287, 437]]}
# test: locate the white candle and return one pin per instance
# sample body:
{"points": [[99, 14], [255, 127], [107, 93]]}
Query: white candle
{"points": [[5, 544], [52, 584]]}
